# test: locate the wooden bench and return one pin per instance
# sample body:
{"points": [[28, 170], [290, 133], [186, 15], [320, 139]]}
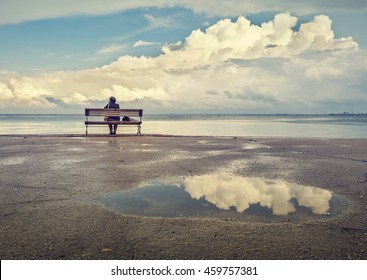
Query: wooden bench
{"points": [[96, 117]]}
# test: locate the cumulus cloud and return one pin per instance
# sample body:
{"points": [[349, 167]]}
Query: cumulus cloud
{"points": [[267, 66], [75, 98], [6, 92], [243, 40], [226, 191], [133, 94], [26, 93]]}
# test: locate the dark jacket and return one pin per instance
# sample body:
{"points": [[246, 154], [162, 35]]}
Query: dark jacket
{"points": [[112, 105]]}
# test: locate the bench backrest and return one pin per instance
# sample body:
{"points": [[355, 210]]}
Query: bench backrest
{"points": [[114, 112]]}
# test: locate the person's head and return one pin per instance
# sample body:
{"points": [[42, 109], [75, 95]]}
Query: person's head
{"points": [[112, 99]]}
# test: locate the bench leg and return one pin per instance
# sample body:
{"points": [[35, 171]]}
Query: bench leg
{"points": [[86, 130], [139, 130]]}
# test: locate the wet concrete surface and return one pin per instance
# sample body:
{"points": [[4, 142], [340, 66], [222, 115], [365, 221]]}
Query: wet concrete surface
{"points": [[46, 186]]}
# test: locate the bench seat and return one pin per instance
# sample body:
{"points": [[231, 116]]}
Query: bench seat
{"points": [[97, 116], [131, 122]]}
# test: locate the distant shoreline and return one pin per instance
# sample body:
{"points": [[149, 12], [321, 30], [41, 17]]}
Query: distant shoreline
{"points": [[330, 126], [173, 115]]}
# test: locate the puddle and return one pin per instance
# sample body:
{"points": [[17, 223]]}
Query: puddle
{"points": [[75, 149], [62, 163], [254, 146], [12, 161], [216, 153], [229, 197], [146, 150]]}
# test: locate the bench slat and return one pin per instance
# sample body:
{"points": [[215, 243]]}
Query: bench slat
{"points": [[114, 122], [114, 112]]}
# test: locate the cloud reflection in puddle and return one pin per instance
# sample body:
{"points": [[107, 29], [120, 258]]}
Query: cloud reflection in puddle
{"points": [[226, 191], [226, 196]]}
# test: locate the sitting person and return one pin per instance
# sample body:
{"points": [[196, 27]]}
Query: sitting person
{"points": [[112, 105]]}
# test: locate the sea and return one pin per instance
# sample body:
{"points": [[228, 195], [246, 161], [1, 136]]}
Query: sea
{"points": [[284, 125]]}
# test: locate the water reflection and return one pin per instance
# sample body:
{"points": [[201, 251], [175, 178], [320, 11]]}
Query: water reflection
{"points": [[12, 160], [226, 191], [226, 196]]}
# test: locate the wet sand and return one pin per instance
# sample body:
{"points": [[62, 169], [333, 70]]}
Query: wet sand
{"points": [[48, 184]]}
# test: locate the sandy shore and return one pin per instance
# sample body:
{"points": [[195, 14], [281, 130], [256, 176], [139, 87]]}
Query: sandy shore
{"points": [[47, 186]]}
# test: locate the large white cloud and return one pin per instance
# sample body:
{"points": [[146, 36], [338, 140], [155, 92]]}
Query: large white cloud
{"points": [[243, 40], [231, 66], [21, 10]]}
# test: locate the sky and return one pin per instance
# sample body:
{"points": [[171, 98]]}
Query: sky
{"points": [[184, 56]]}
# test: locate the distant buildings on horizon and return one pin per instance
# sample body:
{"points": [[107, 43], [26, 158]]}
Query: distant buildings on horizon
{"points": [[349, 114]]}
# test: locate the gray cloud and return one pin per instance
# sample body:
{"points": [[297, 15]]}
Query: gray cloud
{"points": [[238, 7], [212, 92], [24, 10]]}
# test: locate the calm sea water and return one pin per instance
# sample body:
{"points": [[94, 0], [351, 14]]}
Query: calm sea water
{"points": [[327, 126]]}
